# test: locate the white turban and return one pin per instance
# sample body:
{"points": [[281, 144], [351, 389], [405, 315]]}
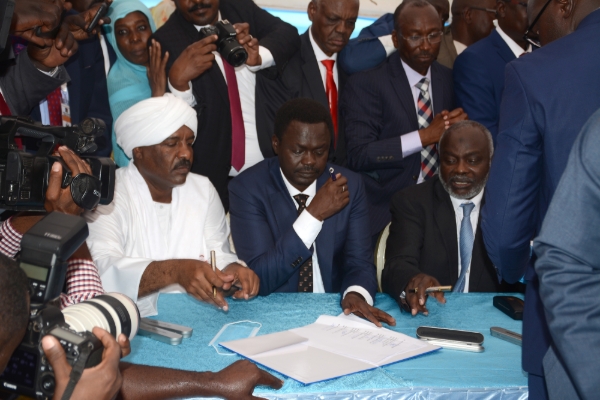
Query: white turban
{"points": [[153, 120]]}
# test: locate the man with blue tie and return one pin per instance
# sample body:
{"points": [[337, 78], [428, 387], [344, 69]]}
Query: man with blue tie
{"points": [[548, 96], [479, 70], [395, 114], [434, 236], [301, 227]]}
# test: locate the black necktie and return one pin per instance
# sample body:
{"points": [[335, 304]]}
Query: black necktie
{"points": [[305, 281]]}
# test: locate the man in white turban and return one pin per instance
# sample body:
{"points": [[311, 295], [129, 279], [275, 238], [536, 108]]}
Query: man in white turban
{"points": [[159, 230]]}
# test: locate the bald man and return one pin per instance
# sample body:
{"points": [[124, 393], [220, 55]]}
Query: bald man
{"points": [[314, 72], [472, 20], [159, 230]]}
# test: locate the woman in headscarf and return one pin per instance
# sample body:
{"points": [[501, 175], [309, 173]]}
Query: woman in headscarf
{"points": [[139, 72]]}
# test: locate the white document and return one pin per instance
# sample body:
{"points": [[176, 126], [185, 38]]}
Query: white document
{"points": [[329, 348]]}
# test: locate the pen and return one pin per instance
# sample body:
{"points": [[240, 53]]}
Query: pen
{"points": [[333, 178], [213, 262], [432, 289]]}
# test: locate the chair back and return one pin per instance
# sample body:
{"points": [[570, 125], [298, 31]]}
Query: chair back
{"points": [[380, 254]]}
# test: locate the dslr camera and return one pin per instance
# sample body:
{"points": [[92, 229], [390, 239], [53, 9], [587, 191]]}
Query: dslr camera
{"points": [[227, 45], [24, 176], [45, 250]]}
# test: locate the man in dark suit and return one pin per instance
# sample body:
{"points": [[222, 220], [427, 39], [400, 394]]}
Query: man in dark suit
{"points": [[296, 226], [314, 72], [87, 92], [479, 70], [434, 236], [269, 41], [548, 96], [395, 114], [471, 22]]}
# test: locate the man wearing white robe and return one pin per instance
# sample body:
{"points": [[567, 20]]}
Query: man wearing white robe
{"points": [[157, 234]]}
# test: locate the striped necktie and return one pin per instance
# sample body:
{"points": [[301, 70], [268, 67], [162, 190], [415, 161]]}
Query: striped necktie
{"points": [[429, 154]]}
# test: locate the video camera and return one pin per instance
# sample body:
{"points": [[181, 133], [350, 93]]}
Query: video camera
{"points": [[24, 176], [45, 249]]}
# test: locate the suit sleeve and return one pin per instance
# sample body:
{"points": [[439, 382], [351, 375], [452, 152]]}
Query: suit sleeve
{"points": [[24, 86], [279, 37], [366, 51], [273, 258], [359, 269], [509, 217], [569, 263], [474, 91], [403, 249], [362, 110]]}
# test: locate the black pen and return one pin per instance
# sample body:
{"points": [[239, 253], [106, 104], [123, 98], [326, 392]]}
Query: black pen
{"points": [[333, 178]]}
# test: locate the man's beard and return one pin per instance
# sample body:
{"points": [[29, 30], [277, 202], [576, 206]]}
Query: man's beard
{"points": [[475, 190]]}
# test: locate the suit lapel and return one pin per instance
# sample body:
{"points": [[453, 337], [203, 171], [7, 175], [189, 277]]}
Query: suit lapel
{"points": [[282, 203], [399, 82], [477, 262], [446, 221], [438, 89], [501, 47], [310, 70], [326, 241]]}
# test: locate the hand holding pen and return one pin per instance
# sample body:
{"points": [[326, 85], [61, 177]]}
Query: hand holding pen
{"points": [[419, 288], [330, 198]]}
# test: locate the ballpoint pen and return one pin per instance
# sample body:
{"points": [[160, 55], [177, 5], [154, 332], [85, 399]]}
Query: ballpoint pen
{"points": [[432, 289], [332, 173]]}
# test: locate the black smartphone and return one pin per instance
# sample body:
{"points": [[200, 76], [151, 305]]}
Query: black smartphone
{"points": [[102, 10], [510, 305]]}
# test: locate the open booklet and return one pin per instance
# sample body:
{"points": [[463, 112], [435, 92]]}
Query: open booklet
{"points": [[329, 348]]}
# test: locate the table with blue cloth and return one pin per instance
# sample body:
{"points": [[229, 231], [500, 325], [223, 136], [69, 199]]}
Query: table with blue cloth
{"points": [[493, 374]]}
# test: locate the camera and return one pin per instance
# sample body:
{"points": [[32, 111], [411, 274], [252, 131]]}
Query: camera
{"points": [[227, 45], [44, 251], [24, 176]]}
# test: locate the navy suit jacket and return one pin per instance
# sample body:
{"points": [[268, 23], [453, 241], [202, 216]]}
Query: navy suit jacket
{"points": [[378, 107], [569, 270], [479, 79], [262, 215], [548, 96], [88, 93]]}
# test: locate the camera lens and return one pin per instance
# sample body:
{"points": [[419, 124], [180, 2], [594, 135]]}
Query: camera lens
{"points": [[234, 53], [113, 312]]}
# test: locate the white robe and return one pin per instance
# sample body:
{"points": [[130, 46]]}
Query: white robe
{"points": [[125, 236]]}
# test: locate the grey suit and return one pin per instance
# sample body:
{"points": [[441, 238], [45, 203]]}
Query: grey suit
{"points": [[568, 267], [24, 86], [447, 53]]}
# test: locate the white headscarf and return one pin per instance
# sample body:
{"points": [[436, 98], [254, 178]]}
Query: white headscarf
{"points": [[153, 120]]}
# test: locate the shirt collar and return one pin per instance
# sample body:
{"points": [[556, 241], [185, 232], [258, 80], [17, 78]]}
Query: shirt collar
{"points": [[413, 76], [311, 191], [514, 47], [319, 54], [198, 27], [456, 203], [459, 47]]}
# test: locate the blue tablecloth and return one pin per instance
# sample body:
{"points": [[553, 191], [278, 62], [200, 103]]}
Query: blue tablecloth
{"points": [[494, 374]]}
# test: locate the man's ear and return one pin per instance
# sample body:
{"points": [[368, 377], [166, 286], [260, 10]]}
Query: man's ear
{"points": [[275, 144], [395, 39], [137, 153], [500, 9], [466, 14], [312, 10], [567, 8]]}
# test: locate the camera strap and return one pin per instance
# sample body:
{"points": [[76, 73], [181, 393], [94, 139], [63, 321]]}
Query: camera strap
{"points": [[76, 372]]}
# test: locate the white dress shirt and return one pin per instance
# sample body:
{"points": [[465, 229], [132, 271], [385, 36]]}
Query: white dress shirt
{"points": [[514, 47], [459, 47], [458, 213], [320, 56], [411, 142], [308, 228], [246, 80]]}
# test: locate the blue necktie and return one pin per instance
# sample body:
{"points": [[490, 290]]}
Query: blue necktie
{"points": [[466, 246]]}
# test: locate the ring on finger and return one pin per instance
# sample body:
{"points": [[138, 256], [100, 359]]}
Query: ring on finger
{"points": [[251, 37], [343, 188]]}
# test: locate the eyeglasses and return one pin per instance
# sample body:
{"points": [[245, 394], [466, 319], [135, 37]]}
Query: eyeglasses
{"points": [[491, 10], [535, 42], [516, 2], [432, 38]]}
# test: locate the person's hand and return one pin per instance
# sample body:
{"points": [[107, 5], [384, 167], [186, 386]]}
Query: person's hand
{"points": [[416, 301], [124, 344], [245, 279], [198, 279], [249, 42], [331, 198], [49, 57], [157, 75], [441, 122], [196, 59], [238, 381], [31, 14], [78, 23], [57, 198], [355, 303], [104, 380]]}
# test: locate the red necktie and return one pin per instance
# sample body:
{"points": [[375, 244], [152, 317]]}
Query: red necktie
{"points": [[331, 92], [4, 110], [238, 134], [54, 110]]}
